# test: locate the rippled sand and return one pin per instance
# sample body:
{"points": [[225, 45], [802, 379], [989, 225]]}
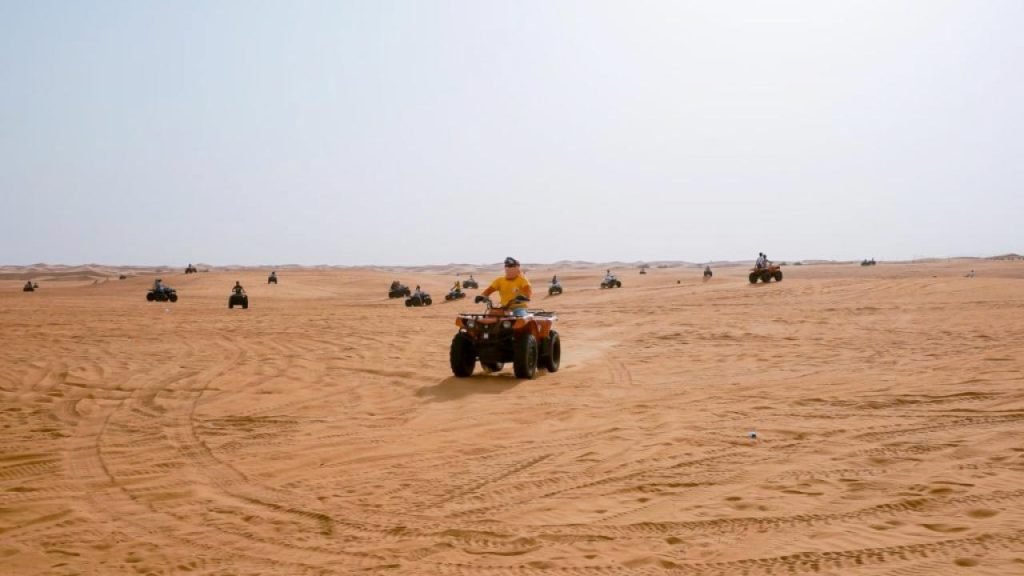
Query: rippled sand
{"points": [[321, 432]]}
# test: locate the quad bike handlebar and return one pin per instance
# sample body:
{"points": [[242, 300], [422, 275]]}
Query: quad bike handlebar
{"points": [[480, 298]]}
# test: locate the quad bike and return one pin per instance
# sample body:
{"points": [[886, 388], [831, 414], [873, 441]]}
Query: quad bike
{"points": [[272, 279], [555, 289], [191, 269], [471, 283], [611, 282], [399, 291], [497, 336], [766, 274], [421, 299], [122, 277], [167, 294], [453, 295], [707, 274], [238, 299], [30, 287], [868, 262]]}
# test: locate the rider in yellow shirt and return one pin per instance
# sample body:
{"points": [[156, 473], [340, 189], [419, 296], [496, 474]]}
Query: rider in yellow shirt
{"points": [[512, 284]]}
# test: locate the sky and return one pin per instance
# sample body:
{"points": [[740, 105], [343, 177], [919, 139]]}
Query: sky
{"points": [[420, 132]]}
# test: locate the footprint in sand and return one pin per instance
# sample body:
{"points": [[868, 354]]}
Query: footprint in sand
{"points": [[982, 513], [944, 528]]}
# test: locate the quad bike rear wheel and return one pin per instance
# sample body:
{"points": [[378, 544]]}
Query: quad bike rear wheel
{"points": [[525, 357], [462, 355], [490, 367], [150, 297], [551, 348]]}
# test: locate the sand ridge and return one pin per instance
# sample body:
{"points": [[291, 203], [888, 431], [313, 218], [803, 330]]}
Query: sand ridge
{"points": [[321, 431]]}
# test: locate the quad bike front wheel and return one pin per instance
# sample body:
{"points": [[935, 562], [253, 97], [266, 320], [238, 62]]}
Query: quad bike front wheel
{"points": [[525, 357], [462, 355], [173, 297]]}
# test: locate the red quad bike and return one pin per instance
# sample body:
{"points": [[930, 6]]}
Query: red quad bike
{"points": [[765, 274], [496, 337]]}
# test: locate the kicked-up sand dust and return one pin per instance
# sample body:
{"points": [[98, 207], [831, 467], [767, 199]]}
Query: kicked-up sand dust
{"points": [[321, 432]]}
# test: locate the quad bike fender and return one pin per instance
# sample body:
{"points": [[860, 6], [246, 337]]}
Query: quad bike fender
{"points": [[539, 328]]}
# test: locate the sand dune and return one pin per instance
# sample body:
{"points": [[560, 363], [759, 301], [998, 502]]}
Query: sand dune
{"points": [[321, 432]]}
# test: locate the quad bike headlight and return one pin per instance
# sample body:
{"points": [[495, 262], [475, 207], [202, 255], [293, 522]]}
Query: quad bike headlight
{"points": [[506, 324], [470, 323]]}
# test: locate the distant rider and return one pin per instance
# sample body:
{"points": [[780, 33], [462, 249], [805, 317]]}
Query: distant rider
{"points": [[608, 277], [554, 280], [158, 286], [512, 284], [456, 288], [237, 289], [418, 293], [707, 271]]}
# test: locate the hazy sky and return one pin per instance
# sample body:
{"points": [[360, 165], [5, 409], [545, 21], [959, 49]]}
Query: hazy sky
{"points": [[433, 132]]}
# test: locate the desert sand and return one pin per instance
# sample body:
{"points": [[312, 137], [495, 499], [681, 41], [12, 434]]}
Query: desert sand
{"points": [[321, 432]]}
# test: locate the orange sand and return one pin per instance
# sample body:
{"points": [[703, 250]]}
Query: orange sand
{"points": [[321, 432]]}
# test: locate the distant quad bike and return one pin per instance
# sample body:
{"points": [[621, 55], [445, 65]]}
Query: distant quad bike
{"points": [[29, 287], [238, 299], [611, 282], [707, 273], [471, 283], [554, 289], [497, 336], [422, 299], [453, 295], [868, 262], [122, 277], [272, 279], [191, 269], [398, 290], [167, 294], [766, 274]]}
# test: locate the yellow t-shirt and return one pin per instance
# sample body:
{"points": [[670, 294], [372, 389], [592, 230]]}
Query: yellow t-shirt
{"points": [[508, 289]]}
